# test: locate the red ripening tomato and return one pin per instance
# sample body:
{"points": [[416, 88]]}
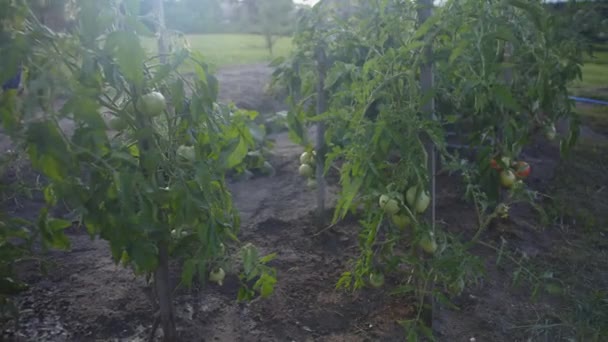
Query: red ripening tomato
{"points": [[522, 169]]}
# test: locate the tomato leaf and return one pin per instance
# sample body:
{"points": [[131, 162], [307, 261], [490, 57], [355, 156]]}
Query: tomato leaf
{"points": [[145, 255], [237, 155], [265, 285], [188, 271], [505, 97], [57, 224], [126, 48]]}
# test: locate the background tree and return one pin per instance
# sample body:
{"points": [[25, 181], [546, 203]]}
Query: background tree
{"points": [[271, 18]]}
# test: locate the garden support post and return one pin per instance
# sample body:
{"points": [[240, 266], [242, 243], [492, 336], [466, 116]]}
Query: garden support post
{"points": [[159, 8], [320, 143], [161, 275], [163, 290], [425, 10]]}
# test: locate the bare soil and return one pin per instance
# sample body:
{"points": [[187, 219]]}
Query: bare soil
{"points": [[86, 297]]}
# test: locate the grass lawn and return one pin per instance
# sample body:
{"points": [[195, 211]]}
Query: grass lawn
{"points": [[234, 49], [594, 85], [595, 77]]}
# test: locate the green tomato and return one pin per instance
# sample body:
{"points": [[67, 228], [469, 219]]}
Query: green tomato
{"points": [[222, 248], [306, 158], [507, 178], [423, 201], [376, 280], [305, 170], [382, 201], [311, 183], [152, 103], [187, 152], [391, 207], [217, 276], [401, 221], [410, 196], [420, 203], [428, 244]]}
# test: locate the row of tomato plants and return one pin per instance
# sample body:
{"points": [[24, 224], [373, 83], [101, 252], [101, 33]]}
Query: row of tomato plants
{"points": [[146, 163], [500, 74]]}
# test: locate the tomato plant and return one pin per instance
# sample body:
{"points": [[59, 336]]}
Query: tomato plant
{"points": [[17, 235], [501, 70], [156, 189]]}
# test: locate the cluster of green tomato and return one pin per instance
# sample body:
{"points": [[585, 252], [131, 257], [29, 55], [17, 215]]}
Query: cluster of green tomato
{"points": [[418, 201], [307, 163]]}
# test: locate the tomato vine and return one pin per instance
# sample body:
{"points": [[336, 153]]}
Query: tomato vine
{"points": [[144, 165], [501, 75]]}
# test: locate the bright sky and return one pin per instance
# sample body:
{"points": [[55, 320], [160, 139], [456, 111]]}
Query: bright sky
{"points": [[312, 2], [309, 2]]}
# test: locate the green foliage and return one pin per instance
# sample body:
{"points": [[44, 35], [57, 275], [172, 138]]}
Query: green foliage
{"points": [[17, 237], [501, 71], [131, 186]]}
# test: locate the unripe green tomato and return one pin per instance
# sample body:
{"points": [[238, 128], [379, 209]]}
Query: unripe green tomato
{"points": [[306, 158], [383, 200], [217, 276], [305, 170], [428, 244], [152, 104], [401, 221], [420, 203], [410, 196], [507, 178], [311, 183], [423, 201], [391, 207], [376, 280]]}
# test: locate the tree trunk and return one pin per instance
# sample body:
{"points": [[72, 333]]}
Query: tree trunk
{"points": [[163, 291], [269, 42]]}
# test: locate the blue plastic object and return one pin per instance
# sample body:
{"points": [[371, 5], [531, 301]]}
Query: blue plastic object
{"points": [[586, 100], [14, 82]]}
